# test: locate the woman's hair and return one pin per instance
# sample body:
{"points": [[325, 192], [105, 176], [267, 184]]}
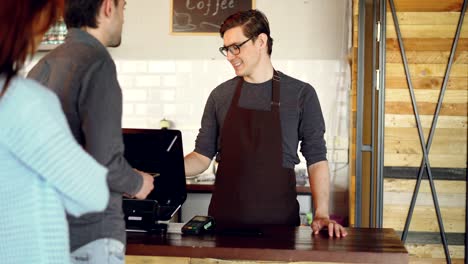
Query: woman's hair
{"points": [[19, 20], [253, 23]]}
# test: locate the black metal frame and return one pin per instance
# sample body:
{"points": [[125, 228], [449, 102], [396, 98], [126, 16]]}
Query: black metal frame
{"points": [[426, 148], [379, 152], [360, 147]]}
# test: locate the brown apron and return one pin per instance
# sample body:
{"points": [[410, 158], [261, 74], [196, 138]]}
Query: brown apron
{"points": [[252, 187]]}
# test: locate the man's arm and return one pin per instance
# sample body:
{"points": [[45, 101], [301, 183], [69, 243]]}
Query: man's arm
{"points": [[319, 180], [146, 187], [100, 108], [311, 134], [195, 163], [198, 160]]}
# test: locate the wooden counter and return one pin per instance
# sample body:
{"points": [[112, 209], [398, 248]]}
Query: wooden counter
{"points": [[362, 245]]}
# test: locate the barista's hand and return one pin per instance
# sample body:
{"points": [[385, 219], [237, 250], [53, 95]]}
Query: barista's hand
{"points": [[147, 185], [334, 229]]}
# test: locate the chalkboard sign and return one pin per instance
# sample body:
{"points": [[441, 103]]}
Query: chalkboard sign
{"points": [[204, 16]]}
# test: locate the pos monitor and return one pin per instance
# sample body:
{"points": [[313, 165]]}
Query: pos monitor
{"points": [[158, 152]]}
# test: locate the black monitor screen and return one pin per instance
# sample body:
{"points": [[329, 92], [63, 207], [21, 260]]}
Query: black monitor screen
{"points": [[159, 152]]}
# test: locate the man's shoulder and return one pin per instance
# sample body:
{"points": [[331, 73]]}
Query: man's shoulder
{"points": [[297, 85], [76, 57], [77, 52], [226, 87], [292, 80], [229, 83]]}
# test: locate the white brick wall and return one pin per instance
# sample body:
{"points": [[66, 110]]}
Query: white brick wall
{"points": [[147, 81], [177, 90], [162, 67]]}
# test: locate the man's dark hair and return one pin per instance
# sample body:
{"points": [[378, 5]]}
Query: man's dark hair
{"points": [[82, 13], [253, 23]]}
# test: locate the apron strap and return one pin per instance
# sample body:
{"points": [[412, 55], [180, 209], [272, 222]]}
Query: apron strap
{"points": [[275, 97]]}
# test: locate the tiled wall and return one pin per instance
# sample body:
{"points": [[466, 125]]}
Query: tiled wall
{"points": [[177, 90], [168, 76]]}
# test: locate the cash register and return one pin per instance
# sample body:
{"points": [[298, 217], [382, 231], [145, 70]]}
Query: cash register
{"points": [[158, 152]]}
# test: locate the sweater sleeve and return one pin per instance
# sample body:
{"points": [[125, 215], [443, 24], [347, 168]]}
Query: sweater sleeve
{"points": [[100, 109], [206, 142], [312, 128], [41, 139]]}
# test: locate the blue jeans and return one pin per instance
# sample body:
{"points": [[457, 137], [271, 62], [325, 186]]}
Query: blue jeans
{"points": [[101, 251]]}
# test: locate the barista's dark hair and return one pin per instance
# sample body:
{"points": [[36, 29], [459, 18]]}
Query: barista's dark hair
{"points": [[83, 13], [253, 23]]}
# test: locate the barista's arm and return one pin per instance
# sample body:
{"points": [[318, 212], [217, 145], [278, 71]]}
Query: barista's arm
{"points": [[319, 186], [195, 163], [313, 147], [319, 179], [199, 160]]}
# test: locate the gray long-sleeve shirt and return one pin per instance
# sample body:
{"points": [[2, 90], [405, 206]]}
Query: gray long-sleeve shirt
{"points": [[300, 116], [83, 75]]}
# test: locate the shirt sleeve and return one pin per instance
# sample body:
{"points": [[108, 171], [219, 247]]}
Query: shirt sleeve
{"points": [[42, 140], [206, 142], [312, 128], [100, 109]]}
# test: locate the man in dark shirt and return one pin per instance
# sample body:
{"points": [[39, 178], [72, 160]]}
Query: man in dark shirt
{"points": [[83, 74], [253, 124]]}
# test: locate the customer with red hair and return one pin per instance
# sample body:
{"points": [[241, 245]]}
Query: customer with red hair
{"points": [[43, 171]]}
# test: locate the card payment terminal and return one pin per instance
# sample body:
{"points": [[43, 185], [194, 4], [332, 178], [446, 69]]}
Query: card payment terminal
{"points": [[198, 225]]}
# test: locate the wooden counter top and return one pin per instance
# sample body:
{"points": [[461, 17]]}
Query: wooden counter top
{"points": [[362, 245]]}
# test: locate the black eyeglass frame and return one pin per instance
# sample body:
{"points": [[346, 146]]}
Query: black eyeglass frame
{"points": [[232, 48]]}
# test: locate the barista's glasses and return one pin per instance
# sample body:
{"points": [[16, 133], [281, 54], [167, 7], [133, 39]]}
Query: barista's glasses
{"points": [[234, 49]]}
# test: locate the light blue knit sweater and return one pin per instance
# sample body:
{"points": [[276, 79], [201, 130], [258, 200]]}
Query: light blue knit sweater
{"points": [[43, 173]]}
